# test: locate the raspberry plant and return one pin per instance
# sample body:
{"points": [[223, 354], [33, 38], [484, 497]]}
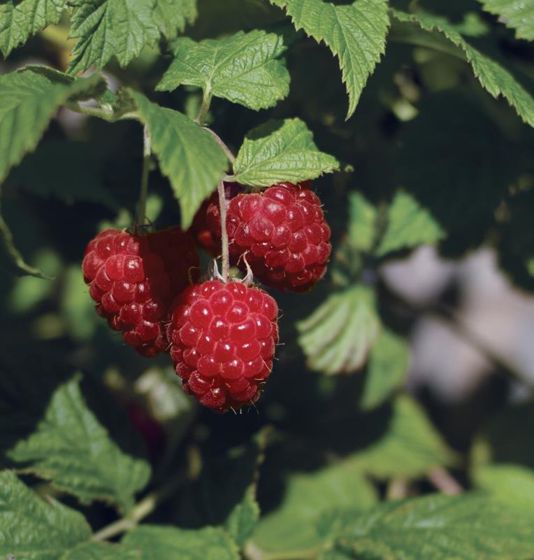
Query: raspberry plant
{"points": [[300, 147]]}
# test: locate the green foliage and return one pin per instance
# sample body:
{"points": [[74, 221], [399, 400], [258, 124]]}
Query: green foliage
{"points": [[495, 79], [292, 527], [20, 20], [355, 33], [71, 448], [242, 68], [35, 529], [337, 337], [517, 14], [161, 543], [388, 365], [28, 100], [409, 447], [437, 527], [101, 551], [176, 139], [408, 225], [281, 151], [171, 16]]}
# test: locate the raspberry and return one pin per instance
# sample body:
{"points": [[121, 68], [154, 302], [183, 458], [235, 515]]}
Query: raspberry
{"points": [[223, 339], [135, 278], [282, 232]]}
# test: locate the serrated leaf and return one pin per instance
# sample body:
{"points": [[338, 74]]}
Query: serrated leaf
{"points": [[362, 222], [28, 100], [355, 33], [32, 528], [102, 551], [163, 543], [517, 14], [19, 21], [171, 16], [387, 369], [436, 527], [110, 28], [291, 528], [511, 485], [493, 77], [408, 225], [243, 68], [72, 450], [337, 337], [409, 447], [281, 151], [188, 154]]}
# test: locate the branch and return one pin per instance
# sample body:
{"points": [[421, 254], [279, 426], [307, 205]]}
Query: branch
{"points": [[444, 482]]}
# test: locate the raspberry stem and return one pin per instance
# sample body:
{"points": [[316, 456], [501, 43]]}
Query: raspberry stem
{"points": [[224, 233], [204, 107], [141, 205]]}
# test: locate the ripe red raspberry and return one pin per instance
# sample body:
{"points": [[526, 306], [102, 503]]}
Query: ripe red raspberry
{"points": [[135, 278], [282, 232], [223, 339]]}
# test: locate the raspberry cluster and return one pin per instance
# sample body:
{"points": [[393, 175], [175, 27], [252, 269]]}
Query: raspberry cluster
{"points": [[134, 278], [281, 233], [221, 335], [223, 338]]}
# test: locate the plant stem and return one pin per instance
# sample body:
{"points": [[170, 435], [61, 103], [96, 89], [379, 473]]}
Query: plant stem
{"points": [[224, 233], [204, 107], [141, 510], [229, 154], [16, 258], [141, 207], [444, 482]]}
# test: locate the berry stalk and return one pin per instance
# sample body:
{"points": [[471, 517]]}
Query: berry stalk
{"points": [[141, 206], [225, 247]]}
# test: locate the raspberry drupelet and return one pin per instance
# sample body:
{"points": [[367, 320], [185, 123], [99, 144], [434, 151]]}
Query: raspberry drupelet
{"points": [[281, 232], [134, 279], [222, 341]]}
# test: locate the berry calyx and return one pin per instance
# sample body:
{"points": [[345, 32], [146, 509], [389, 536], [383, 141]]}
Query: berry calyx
{"points": [[222, 341], [281, 232], [134, 279]]}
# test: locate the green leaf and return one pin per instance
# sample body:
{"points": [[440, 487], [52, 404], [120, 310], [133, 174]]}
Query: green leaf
{"points": [[163, 543], [409, 225], [436, 527], [79, 178], [281, 151], [171, 16], [292, 527], [337, 337], [362, 222], [517, 14], [495, 79], [110, 28], [511, 485], [387, 369], [355, 33], [188, 154], [19, 21], [243, 68], [102, 551], [71, 449], [35, 529], [28, 100], [409, 447]]}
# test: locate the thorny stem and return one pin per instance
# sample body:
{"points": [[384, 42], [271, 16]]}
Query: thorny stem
{"points": [[224, 233], [141, 510], [141, 207]]}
